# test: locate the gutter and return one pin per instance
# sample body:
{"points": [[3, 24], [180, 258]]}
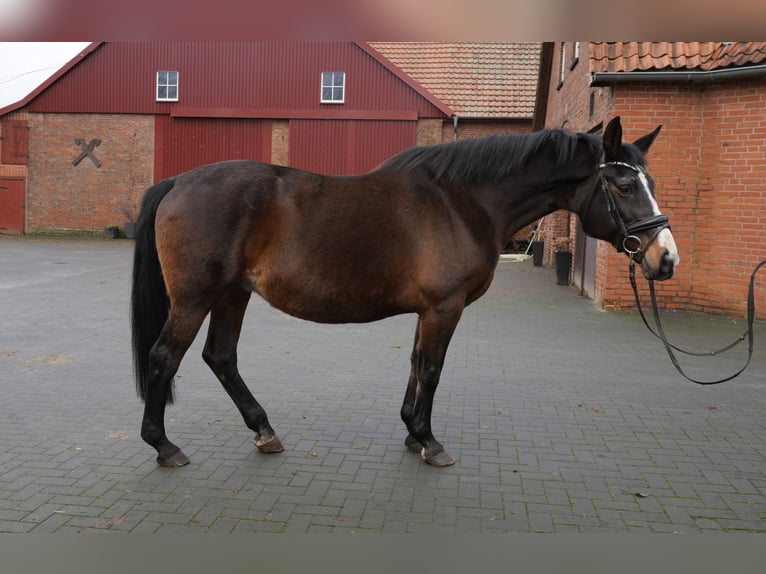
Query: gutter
{"points": [[745, 73]]}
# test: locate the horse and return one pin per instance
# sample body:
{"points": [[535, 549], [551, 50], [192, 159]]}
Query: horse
{"points": [[422, 233]]}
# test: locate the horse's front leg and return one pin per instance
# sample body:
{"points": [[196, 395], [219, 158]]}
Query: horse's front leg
{"points": [[434, 331]]}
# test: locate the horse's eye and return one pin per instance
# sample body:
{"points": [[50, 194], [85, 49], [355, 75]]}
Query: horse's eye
{"points": [[624, 190]]}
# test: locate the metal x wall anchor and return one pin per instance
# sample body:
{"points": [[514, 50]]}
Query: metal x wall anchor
{"points": [[87, 151]]}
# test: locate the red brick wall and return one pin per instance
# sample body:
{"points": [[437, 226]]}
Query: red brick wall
{"points": [[731, 209], [468, 128], [64, 196], [557, 225], [428, 131], [673, 162], [707, 165], [280, 142]]}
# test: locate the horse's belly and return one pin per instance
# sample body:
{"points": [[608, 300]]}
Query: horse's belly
{"points": [[324, 299]]}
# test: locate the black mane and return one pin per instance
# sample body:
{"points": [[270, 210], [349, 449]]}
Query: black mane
{"points": [[490, 158]]}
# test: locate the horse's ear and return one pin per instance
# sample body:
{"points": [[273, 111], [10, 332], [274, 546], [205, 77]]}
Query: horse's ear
{"points": [[645, 142], [613, 139]]}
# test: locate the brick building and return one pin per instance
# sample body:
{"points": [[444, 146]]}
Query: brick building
{"points": [[78, 152], [710, 98]]}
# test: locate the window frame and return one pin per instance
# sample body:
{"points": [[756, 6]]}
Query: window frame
{"points": [[575, 55], [562, 65], [166, 85], [332, 86]]}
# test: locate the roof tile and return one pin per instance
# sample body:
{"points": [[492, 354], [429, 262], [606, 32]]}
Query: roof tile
{"points": [[641, 56], [484, 80]]}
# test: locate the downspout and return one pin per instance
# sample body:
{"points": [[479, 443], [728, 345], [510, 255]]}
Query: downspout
{"points": [[454, 128]]}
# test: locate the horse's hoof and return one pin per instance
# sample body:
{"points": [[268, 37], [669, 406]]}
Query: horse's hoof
{"points": [[174, 460], [270, 445], [441, 458], [413, 444]]}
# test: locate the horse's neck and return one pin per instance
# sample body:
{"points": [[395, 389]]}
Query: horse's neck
{"points": [[520, 202]]}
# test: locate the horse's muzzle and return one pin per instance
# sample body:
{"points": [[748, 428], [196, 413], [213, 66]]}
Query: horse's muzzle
{"points": [[661, 258]]}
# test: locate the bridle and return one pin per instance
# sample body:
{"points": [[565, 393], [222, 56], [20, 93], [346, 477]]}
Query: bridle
{"points": [[628, 242]]}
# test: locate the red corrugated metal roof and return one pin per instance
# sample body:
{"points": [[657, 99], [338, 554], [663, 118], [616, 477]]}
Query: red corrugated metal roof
{"points": [[644, 56], [487, 80]]}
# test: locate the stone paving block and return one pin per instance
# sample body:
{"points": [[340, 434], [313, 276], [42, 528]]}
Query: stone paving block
{"points": [[50, 524], [15, 526]]}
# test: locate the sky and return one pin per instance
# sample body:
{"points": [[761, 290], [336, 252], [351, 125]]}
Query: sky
{"points": [[26, 65]]}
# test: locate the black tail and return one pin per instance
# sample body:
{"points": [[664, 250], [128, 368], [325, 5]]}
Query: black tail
{"points": [[149, 304]]}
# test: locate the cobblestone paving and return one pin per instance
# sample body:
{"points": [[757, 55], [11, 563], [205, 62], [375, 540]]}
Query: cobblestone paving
{"points": [[562, 418]]}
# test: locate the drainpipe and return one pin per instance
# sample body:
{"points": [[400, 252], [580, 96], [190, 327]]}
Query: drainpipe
{"points": [[454, 128], [749, 72]]}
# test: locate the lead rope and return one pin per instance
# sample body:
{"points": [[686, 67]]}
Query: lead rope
{"points": [[669, 348]]}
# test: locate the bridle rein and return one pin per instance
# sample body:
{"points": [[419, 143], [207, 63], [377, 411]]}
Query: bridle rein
{"points": [[629, 243]]}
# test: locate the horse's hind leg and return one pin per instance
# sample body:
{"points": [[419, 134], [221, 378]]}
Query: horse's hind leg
{"points": [[165, 357], [220, 353], [434, 331]]}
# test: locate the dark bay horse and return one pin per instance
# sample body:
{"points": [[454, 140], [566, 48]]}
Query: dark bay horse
{"points": [[421, 234]]}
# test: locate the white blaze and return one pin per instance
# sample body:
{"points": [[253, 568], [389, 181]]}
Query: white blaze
{"points": [[665, 237]]}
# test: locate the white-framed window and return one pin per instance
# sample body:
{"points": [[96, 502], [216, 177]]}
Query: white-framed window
{"points": [[167, 86], [333, 88]]}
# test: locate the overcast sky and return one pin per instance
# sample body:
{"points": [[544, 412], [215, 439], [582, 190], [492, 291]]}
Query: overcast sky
{"points": [[26, 65]]}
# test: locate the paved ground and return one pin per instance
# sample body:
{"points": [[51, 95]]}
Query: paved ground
{"points": [[562, 418]]}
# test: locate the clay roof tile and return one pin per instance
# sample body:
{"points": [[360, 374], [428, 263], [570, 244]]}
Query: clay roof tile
{"points": [[640, 56], [484, 80]]}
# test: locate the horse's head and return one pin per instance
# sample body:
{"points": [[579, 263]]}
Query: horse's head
{"points": [[622, 208]]}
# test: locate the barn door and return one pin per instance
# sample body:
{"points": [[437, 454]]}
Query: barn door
{"points": [[12, 206], [185, 143], [346, 147]]}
